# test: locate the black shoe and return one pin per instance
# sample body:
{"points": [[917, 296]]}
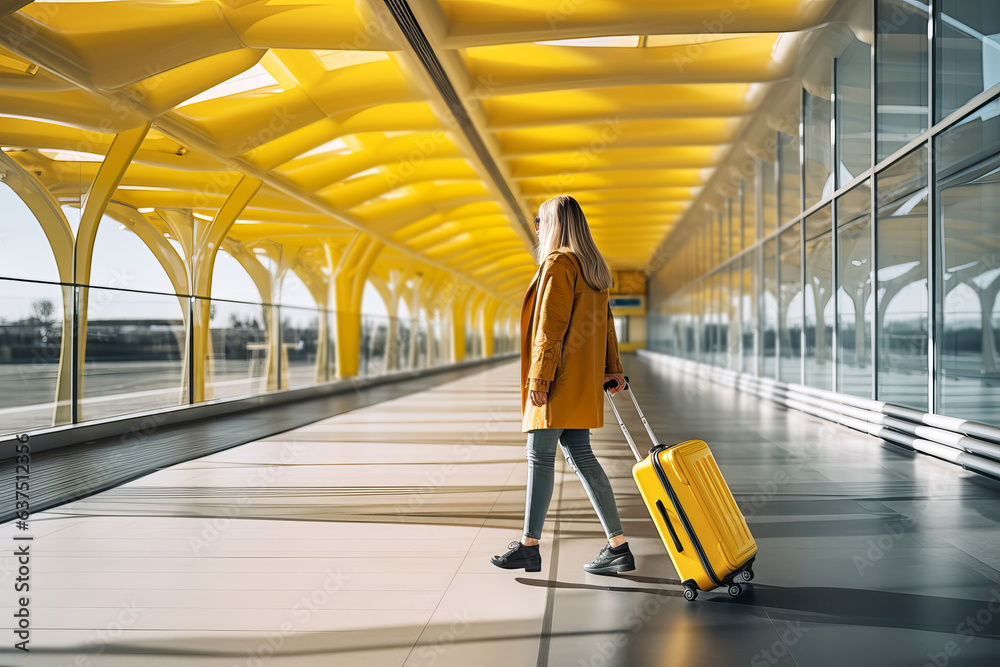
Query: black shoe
{"points": [[519, 556], [612, 560]]}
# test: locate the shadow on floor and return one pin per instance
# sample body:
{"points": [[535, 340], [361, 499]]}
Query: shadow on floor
{"points": [[833, 605]]}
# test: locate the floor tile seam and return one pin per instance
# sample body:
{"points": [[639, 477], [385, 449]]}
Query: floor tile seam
{"points": [[778, 634], [548, 616]]}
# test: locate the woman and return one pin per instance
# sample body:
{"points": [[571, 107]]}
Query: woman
{"points": [[568, 351]]}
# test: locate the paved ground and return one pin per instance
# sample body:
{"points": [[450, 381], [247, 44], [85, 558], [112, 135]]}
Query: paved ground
{"points": [[364, 539]]}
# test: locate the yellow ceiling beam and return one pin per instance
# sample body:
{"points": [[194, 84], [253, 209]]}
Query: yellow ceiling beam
{"points": [[616, 106], [597, 137], [659, 193], [528, 68], [574, 182], [111, 49], [481, 22], [612, 159]]}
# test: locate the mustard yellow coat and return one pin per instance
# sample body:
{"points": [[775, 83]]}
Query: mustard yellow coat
{"points": [[568, 343]]}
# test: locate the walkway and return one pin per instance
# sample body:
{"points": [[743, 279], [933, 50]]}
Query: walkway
{"points": [[364, 539]]}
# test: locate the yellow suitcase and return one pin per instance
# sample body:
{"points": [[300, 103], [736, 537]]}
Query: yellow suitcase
{"points": [[699, 522]]}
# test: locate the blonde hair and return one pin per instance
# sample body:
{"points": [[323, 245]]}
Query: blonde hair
{"points": [[562, 226]]}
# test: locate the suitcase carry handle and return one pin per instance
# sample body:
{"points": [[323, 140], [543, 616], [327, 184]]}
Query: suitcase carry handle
{"points": [[670, 526], [610, 384]]}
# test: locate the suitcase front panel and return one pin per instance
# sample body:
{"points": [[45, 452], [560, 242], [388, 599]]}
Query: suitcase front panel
{"points": [[682, 550], [725, 535]]}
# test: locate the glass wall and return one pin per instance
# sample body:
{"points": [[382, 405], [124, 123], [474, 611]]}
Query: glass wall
{"points": [[239, 353], [735, 327], [819, 316], [769, 310], [854, 292], [769, 197], [790, 184], [32, 326], [749, 304], [901, 73], [853, 113], [134, 358], [890, 287], [966, 52], [817, 114], [901, 281], [790, 305], [968, 196], [748, 208]]}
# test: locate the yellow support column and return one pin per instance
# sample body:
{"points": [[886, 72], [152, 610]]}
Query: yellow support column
{"points": [[348, 288], [50, 216], [475, 318], [95, 202], [207, 242], [458, 311], [489, 318]]}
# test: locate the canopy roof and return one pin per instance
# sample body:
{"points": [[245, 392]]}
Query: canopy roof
{"points": [[435, 127]]}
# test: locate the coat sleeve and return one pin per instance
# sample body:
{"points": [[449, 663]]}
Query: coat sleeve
{"points": [[554, 309], [612, 361]]}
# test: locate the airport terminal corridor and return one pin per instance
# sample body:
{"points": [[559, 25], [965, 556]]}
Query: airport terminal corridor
{"points": [[281, 282], [364, 539]]}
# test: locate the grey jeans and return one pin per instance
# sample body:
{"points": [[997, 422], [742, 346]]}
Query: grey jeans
{"points": [[541, 471]]}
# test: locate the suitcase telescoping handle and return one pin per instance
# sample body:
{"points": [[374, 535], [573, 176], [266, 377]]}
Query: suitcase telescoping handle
{"points": [[628, 436]]}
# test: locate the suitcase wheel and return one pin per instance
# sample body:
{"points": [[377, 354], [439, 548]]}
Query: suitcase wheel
{"points": [[690, 594], [747, 574], [735, 590]]}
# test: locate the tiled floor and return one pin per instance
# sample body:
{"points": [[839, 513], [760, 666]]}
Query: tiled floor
{"points": [[364, 539]]}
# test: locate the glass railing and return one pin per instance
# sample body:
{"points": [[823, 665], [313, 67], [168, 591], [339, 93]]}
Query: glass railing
{"points": [[135, 351]]}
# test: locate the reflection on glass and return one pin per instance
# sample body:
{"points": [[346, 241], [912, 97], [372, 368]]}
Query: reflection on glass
{"points": [[732, 226], [819, 305], [331, 344], [705, 320], [720, 293], [748, 308], [901, 319], [691, 322], [854, 292], [420, 343], [967, 52], [708, 319], [721, 316], [968, 182], [302, 362], [734, 327], [31, 331], [790, 305], [901, 73], [790, 192], [374, 345], [769, 189], [769, 311], [750, 211], [712, 241], [818, 149], [240, 361], [134, 358], [854, 123]]}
